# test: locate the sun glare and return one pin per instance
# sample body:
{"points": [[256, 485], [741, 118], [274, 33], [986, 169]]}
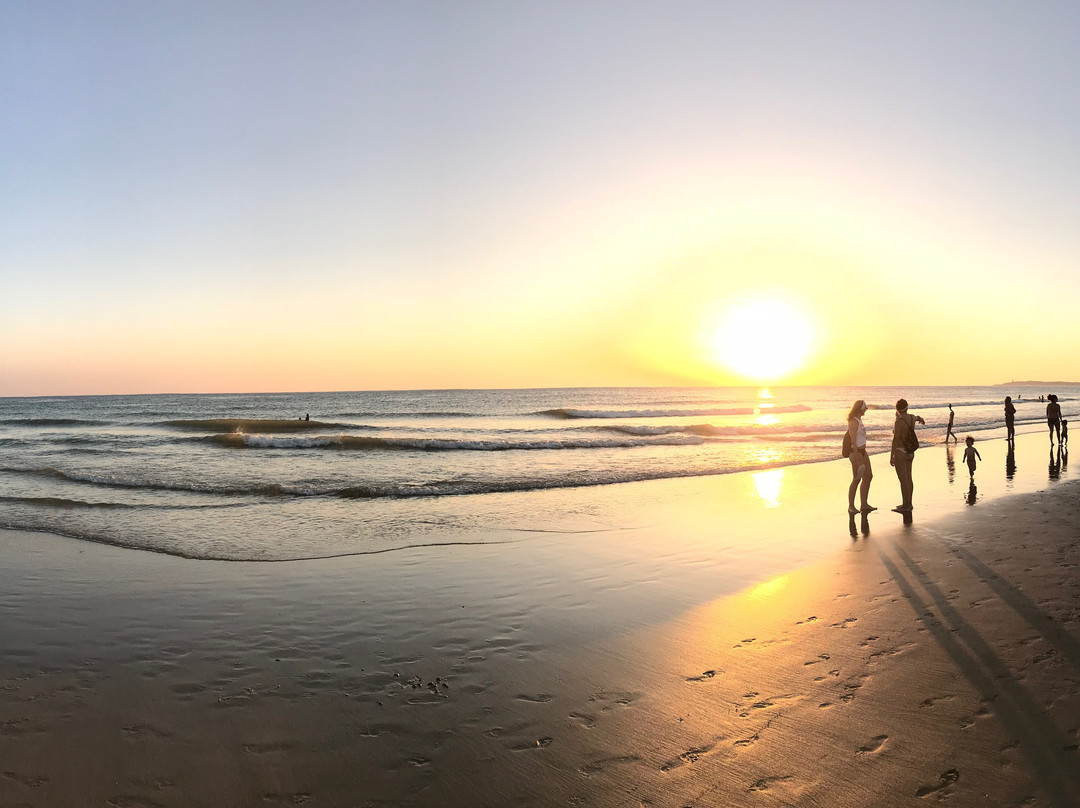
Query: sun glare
{"points": [[762, 339]]}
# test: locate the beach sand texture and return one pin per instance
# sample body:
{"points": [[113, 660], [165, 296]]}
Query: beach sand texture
{"points": [[930, 663]]}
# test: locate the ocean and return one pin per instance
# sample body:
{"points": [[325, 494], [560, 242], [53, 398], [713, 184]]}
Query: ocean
{"points": [[243, 477]]}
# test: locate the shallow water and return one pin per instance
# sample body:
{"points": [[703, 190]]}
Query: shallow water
{"points": [[240, 477]]}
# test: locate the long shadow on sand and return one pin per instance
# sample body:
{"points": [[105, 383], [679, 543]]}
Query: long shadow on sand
{"points": [[1066, 645], [1022, 716]]}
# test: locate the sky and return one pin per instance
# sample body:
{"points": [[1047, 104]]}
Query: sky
{"points": [[271, 196]]}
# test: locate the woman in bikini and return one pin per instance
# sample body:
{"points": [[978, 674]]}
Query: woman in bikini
{"points": [[861, 473]]}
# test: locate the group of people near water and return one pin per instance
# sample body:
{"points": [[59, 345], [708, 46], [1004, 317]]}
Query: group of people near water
{"points": [[905, 442]]}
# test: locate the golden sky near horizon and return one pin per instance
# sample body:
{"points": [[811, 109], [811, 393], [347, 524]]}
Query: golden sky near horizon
{"points": [[537, 196]]}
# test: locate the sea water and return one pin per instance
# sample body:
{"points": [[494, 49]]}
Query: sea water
{"points": [[248, 477]]}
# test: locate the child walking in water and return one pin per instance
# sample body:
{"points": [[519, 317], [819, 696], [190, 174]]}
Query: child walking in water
{"points": [[970, 453]]}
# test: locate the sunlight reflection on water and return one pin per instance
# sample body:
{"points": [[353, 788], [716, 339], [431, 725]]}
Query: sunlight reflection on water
{"points": [[768, 486]]}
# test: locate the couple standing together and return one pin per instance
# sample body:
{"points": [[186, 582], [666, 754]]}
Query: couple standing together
{"points": [[904, 444]]}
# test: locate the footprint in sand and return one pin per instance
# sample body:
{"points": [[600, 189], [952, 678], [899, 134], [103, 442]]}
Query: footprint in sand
{"points": [[930, 702], [145, 730], [689, 756], [873, 745], [765, 783], [600, 765], [265, 748], [946, 780], [709, 674], [539, 698], [29, 782], [586, 720]]}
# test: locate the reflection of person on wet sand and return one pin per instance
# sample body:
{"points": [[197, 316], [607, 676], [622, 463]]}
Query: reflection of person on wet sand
{"points": [[1055, 463], [950, 464], [972, 493], [864, 526], [861, 473], [1053, 418], [1010, 414], [1010, 462], [904, 444], [949, 432]]}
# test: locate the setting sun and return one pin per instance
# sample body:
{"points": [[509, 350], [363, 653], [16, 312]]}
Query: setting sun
{"points": [[763, 339]]}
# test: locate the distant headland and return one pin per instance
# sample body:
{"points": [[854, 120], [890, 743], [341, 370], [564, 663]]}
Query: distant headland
{"points": [[1030, 382]]}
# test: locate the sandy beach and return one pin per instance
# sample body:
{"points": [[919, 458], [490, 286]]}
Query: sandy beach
{"points": [[731, 641]]}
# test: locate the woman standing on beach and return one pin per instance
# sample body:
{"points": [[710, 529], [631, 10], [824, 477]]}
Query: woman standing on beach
{"points": [[1010, 414], [861, 473], [1053, 418], [904, 444]]}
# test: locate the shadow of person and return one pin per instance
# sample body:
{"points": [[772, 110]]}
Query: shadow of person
{"points": [[1010, 463], [1055, 463], [972, 494], [950, 464]]}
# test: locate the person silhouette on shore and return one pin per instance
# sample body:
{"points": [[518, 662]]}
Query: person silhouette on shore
{"points": [[1064, 432], [904, 444], [970, 453], [861, 473], [949, 432], [1053, 418], [1010, 414]]}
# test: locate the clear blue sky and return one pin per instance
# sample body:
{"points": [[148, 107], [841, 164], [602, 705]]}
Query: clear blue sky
{"points": [[265, 195]]}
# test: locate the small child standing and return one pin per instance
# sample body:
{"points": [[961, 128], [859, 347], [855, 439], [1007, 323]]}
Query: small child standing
{"points": [[970, 453], [1064, 433]]}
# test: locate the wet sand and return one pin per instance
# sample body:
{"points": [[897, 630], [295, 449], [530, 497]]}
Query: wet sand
{"points": [[731, 641]]}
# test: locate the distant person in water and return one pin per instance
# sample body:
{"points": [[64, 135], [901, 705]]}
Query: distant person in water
{"points": [[1053, 418], [904, 444], [970, 453], [949, 432], [1010, 414], [1064, 432], [307, 417], [861, 473]]}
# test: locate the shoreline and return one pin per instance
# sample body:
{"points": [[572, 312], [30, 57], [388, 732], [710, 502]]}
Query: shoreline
{"points": [[671, 658]]}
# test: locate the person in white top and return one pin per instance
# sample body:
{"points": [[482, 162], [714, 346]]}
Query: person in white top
{"points": [[861, 473]]}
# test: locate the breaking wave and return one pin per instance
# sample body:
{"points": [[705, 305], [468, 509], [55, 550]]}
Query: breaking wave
{"points": [[361, 442], [567, 413]]}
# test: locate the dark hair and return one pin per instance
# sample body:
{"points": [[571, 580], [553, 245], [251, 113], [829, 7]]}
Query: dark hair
{"points": [[969, 440], [901, 405]]}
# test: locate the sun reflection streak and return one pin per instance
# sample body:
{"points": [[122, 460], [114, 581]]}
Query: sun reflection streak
{"points": [[768, 486], [763, 455], [769, 588]]}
